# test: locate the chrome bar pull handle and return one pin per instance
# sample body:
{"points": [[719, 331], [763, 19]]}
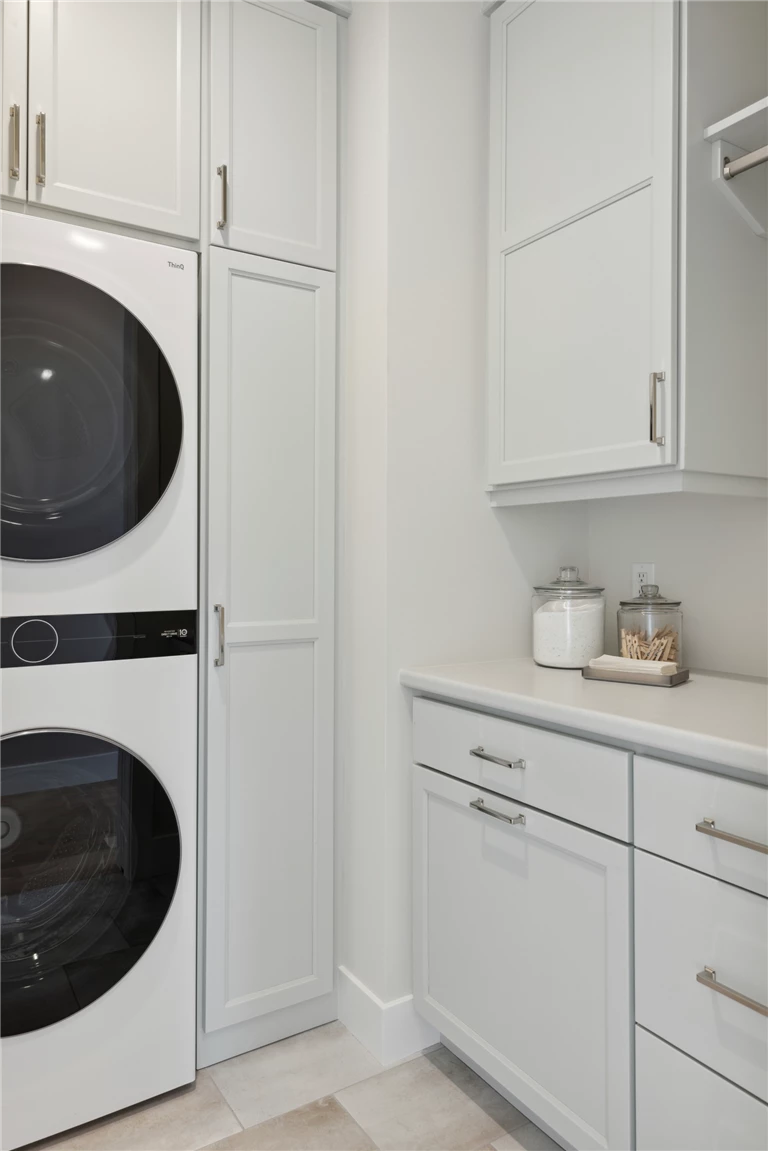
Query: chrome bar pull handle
{"points": [[40, 121], [222, 171], [709, 978], [481, 753], [479, 805], [219, 660], [707, 827], [13, 170], [656, 379]]}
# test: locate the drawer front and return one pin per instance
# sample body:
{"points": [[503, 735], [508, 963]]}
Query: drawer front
{"points": [[670, 801], [684, 923], [682, 1106], [580, 781]]}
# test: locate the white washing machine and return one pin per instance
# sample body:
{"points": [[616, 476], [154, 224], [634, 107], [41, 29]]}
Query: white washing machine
{"points": [[98, 841], [99, 421]]}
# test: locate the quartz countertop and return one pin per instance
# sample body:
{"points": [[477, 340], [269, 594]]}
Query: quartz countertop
{"points": [[715, 720]]}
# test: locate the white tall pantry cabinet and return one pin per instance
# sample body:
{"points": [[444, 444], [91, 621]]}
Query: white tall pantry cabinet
{"points": [[269, 675], [269, 907]]}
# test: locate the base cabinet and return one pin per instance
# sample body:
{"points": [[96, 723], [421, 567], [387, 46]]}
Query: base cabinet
{"points": [[683, 1106], [269, 846], [522, 953]]}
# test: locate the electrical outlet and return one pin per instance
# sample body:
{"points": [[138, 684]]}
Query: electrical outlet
{"points": [[642, 572]]}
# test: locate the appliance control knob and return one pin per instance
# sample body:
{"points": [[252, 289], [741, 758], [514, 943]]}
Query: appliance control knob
{"points": [[34, 641]]}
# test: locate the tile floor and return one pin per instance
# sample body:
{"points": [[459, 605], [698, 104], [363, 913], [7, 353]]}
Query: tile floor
{"points": [[320, 1091]]}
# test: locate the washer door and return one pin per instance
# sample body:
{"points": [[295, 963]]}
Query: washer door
{"points": [[90, 860], [91, 416]]}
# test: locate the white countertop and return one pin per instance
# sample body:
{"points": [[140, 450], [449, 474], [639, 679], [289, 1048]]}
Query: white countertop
{"points": [[718, 720]]}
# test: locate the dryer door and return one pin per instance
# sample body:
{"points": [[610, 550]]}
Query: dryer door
{"points": [[91, 416], [90, 860]]}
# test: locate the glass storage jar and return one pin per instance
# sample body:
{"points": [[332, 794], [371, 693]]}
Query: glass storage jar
{"points": [[568, 621], [651, 626]]}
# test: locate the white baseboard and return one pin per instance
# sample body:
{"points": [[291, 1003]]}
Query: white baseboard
{"points": [[391, 1031]]}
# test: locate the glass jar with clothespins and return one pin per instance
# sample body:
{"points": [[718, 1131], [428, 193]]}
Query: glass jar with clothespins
{"points": [[651, 626]]}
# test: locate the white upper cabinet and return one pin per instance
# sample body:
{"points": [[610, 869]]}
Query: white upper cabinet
{"points": [[582, 288], [114, 111], [273, 130], [13, 165], [627, 299]]}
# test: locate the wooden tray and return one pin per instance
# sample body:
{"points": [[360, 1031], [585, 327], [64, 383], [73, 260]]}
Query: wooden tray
{"points": [[645, 677]]}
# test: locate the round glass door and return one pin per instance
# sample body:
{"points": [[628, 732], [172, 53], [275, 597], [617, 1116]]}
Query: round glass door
{"points": [[90, 859], [91, 416]]}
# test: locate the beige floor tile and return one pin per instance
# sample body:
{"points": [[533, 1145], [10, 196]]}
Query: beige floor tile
{"points": [[182, 1121], [320, 1126], [275, 1079], [434, 1103], [526, 1138]]}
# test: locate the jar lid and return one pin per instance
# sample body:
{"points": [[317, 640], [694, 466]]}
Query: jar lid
{"points": [[649, 597], [569, 586]]}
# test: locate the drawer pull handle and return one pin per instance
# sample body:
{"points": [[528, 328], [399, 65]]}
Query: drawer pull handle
{"points": [[481, 753], [479, 805], [709, 978], [707, 827]]}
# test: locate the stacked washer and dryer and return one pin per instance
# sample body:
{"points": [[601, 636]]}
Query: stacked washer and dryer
{"points": [[99, 672]]}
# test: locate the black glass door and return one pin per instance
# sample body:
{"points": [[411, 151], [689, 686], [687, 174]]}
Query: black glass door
{"points": [[90, 859], [91, 416]]}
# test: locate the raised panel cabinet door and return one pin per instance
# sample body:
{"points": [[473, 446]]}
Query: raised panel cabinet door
{"points": [[114, 111], [269, 835], [522, 953], [273, 129], [582, 239], [13, 34]]}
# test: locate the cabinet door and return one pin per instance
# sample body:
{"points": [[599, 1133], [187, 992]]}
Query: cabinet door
{"points": [[582, 238], [118, 85], [521, 953], [13, 30], [273, 129], [269, 887]]}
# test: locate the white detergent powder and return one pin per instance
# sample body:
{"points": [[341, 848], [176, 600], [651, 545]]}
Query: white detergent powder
{"points": [[568, 633]]}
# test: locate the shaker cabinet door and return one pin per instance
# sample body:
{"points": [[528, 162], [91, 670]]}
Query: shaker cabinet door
{"points": [[521, 953], [273, 129], [269, 881], [582, 240], [13, 58], [114, 111]]}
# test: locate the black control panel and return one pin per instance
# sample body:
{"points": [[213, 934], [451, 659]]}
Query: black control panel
{"points": [[29, 641]]}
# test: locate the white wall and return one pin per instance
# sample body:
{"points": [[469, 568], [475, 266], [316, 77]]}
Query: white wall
{"points": [[428, 572], [709, 551]]}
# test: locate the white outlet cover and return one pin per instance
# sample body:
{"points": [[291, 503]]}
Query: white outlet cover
{"points": [[642, 572]]}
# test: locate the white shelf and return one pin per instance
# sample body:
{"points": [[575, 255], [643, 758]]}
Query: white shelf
{"points": [[734, 137], [747, 129]]}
